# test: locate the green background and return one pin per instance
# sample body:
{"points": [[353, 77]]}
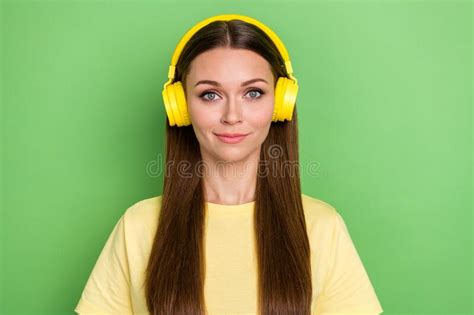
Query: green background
{"points": [[385, 113]]}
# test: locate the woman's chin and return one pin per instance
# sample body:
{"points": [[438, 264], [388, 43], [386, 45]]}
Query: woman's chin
{"points": [[230, 155]]}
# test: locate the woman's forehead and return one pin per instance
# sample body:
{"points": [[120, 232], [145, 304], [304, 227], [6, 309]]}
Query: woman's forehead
{"points": [[217, 65]]}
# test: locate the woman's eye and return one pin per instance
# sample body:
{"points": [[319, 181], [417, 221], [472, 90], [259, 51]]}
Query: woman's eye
{"points": [[254, 94], [208, 93]]}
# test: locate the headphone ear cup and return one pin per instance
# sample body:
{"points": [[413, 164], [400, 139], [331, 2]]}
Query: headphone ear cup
{"points": [[181, 104], [289, 93], [175, 105], [286, 91], [170, 103], [278, 99]]}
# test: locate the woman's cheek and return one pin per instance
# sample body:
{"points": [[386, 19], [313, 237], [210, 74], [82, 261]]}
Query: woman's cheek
{"points": [[262, 115], [197, 111], [202, 117]]}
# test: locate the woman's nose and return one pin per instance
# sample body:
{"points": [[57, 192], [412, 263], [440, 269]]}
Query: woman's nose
{"points": [[232, 112]]}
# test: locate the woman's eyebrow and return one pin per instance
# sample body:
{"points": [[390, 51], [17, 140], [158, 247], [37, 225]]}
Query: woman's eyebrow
{"points": [[218, 84]]}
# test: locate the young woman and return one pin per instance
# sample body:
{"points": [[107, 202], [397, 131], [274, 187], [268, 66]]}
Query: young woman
{"points": [[232, 232]]}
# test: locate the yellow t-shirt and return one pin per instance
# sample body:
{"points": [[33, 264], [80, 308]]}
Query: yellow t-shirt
{"points": [[340, 282]]}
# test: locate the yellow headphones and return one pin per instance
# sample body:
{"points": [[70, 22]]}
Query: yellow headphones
{"points": [[285, 91]]}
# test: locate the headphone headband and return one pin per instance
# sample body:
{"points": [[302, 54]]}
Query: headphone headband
{"points": [[226, 17]]}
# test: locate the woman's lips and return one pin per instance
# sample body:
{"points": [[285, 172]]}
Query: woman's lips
{"points": [[231, 138]]}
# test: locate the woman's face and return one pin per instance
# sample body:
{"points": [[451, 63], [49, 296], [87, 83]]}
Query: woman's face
{"points": [[220, 100]]}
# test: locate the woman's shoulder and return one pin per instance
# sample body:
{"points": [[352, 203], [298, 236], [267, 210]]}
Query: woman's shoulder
{"points": [[144, 207], [142, 216], [317, 209], [322, 218]]}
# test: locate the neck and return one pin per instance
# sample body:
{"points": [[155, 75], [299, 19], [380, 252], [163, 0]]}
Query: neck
{"points": [[230, 182]]}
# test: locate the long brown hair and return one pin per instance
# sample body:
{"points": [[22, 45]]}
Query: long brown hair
{"points": [[176, 268]]}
